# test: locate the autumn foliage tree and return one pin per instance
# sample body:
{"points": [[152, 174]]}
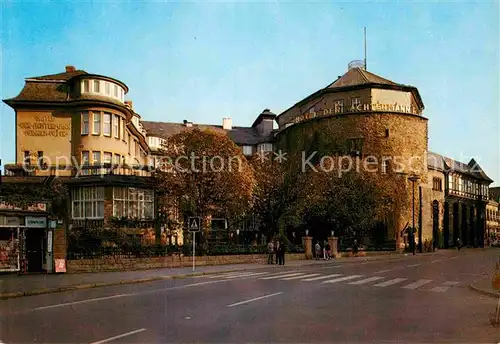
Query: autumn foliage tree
{"points": [[208, 175]]}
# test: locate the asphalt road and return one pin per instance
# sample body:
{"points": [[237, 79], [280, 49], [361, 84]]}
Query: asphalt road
{"points": [[410, 299]]}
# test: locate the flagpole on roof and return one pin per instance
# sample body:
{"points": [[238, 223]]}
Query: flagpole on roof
{"points": [[365, 49]]}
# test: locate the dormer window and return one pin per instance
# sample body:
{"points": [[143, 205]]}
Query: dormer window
{"points": [[86, 86]]}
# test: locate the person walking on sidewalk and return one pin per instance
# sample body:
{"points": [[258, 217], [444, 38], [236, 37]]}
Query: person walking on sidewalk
{"points": [[328, 251], [459, 243], [317, 250], [270, 252], [281, 253], [276, 251]]}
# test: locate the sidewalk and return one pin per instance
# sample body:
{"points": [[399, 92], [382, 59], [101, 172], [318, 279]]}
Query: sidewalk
{"points": [[12, 285], [484, 286]]}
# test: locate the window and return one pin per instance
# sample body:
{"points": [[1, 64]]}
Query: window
{"points": [[85, 123], [88, 203], [355, 147], [129, 144], [27, 159], [107, 157], [86, 86], [437, 184], [107, 88], [133, 203], [116, 159], [96, 86], [106, 129], [266, 147], [116, 126], [247, 150], [96, 157], [97, 123], [85, 157], [338, 106], [122, 127], [115, 90], [356, 104], [40, 158]]}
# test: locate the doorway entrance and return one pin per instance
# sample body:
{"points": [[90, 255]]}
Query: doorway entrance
{"points": [[34, 243]]}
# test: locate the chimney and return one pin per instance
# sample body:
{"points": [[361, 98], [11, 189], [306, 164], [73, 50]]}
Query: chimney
{"points": [[70, 69], [128, 103], [227, 123], [187, 123]]}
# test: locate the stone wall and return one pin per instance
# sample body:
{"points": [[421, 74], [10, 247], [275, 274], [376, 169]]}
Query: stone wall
{"points": [[124, 264]]}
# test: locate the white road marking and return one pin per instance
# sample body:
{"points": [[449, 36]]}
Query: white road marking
{"points": [[119, 336], [321, 277], [251, 274], [435, 261], [417, 284], [445, 286], [367, 280], [297, 277], [227, 274], [82, 301], [454, 257], [390, 282], [382, 271], [413, 265], [340, 279], [254, 299], [281, 276]]}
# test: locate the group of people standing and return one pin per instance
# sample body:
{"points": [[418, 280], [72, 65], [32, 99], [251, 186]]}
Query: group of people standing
{"points": [[323, 251], [277, 249]]}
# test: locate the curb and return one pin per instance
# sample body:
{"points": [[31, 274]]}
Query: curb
{"points": [[5, 296], [484, 291]]}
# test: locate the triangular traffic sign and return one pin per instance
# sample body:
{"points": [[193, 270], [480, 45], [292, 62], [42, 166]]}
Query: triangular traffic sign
{"points": [[194, 224]]}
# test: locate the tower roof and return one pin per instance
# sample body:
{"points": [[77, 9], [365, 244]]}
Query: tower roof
{"points": [[357, 76]]}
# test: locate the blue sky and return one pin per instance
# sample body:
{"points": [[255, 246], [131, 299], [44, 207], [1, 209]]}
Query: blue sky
{"points": [[205, 61]]}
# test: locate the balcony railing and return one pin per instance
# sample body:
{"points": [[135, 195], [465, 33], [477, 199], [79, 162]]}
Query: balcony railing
{"points": [[43, 170]]}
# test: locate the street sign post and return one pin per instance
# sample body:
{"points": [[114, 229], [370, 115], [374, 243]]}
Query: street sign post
{"points": [[194, 225]]}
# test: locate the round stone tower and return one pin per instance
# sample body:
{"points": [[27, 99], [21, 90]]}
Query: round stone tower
{"points": [[379, 124]]}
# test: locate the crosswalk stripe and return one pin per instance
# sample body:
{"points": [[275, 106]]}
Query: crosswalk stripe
{"points": [[281, 276], [340, 279], [250, 274], [320, 277], [367, 280], [417, 284], [225, 274], [297, 277], [445, 286], [390, 282]]}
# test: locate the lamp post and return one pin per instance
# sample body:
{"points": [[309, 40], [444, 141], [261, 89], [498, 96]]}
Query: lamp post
{"points": [[413, 179], [238, 236]]}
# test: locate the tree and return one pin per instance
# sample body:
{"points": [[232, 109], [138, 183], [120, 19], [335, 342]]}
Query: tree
{"points": [[22, 195], [208, 175]]}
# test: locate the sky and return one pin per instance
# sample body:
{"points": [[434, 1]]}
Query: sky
{"points": [[203, 61]]}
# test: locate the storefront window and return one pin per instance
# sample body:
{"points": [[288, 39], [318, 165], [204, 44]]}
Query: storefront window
{"points": [[133, 203], [88, 203]]}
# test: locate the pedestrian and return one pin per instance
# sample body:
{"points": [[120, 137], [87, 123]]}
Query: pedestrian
{"points": [[276, 250], [355, 248], [270, 252], [317, 250], [328, 251], [459, 244], [282, 253]]}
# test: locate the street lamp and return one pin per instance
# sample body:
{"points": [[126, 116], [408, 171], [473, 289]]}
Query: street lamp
{"points": [[307, 232], [413, 179], [238, 236], [332, 233]]}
